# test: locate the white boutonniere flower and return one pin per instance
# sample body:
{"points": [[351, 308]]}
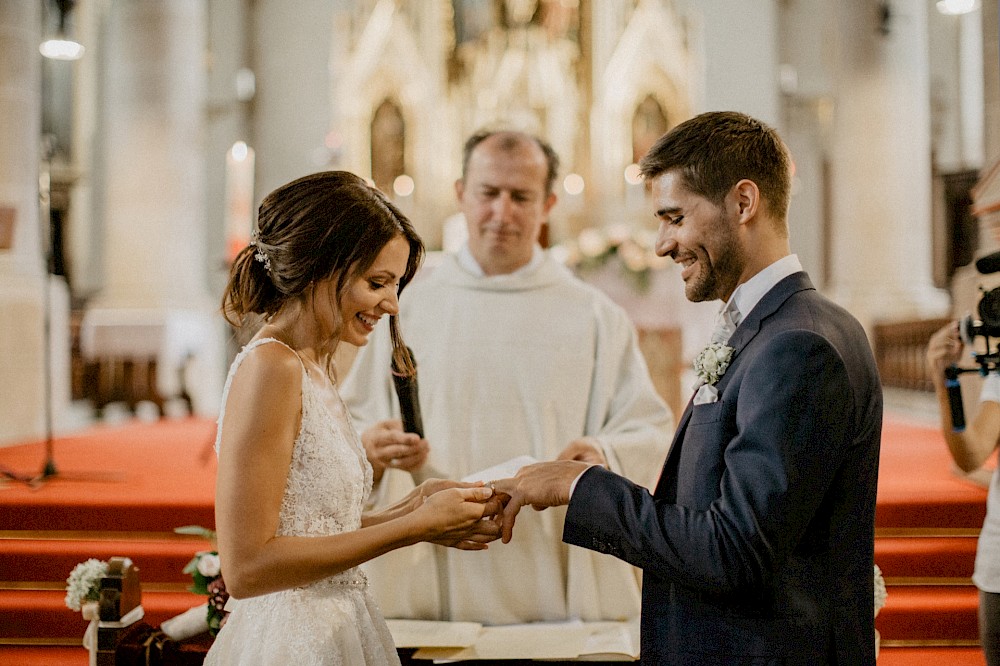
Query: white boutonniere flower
{"points": [[712, 362]]}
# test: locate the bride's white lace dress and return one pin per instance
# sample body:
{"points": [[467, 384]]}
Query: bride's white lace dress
{"points": [[334, 621]]}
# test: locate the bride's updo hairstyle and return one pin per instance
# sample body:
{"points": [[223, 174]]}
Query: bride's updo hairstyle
{"points": [[326, 224]]}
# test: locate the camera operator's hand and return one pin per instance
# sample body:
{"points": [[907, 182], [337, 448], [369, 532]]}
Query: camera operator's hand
{"points": [[943, 349]]}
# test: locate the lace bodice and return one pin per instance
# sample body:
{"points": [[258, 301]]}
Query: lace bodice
{"points": [[333, 621], [329, 478]]}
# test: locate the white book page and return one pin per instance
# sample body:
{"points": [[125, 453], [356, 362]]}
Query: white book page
{"points": [[537, 640], [502, 471], [431, 634]]}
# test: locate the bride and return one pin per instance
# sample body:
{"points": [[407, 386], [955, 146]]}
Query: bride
{"points": [[328, 262]]}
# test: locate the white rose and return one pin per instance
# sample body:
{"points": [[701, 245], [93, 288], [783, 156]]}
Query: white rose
{"points": [[209, 565], [710, 362]]}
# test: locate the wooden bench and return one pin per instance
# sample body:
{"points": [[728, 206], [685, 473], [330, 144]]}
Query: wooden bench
{"points": [[901, 351]]}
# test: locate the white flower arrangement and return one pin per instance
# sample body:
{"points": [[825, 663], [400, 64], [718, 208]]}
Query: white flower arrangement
{"points": [[880, 592], [711, 363], [84, 583], [205, 569], [634, 251]]}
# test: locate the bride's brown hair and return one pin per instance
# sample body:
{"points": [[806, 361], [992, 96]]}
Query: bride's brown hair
{"points": [[321, 225]]}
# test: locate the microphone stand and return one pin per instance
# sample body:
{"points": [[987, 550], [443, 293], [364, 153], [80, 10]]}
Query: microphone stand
{"points": [[45, 223], [49, 470], [45, 202]]}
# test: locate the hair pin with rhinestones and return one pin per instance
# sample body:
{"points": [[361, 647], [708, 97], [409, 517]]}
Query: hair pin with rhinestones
{"points": [[260, 255]]}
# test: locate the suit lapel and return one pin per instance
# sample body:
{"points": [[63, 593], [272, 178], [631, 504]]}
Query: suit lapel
{"points": [[767, 306], [745, 332]]}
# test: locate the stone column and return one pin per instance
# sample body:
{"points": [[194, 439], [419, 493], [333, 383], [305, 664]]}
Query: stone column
{"points": [[24, 411], [881, 165], [155, 266], [154, 98], [991, 78]]}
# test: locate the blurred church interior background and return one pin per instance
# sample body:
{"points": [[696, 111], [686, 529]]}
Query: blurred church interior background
{"points": [[130, 175]]}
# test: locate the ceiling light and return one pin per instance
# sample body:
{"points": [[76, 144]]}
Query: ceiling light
{"points": [[953, 7], [60, 46]]}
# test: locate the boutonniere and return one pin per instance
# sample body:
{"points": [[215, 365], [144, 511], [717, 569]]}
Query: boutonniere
{"points": [[712, 362]]}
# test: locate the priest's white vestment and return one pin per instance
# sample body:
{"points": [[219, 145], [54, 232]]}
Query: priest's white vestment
{"points": [[512, 365]]}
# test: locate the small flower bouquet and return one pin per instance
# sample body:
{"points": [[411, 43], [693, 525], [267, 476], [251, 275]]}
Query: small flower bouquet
{"points": [[84, 583], [206, 574], [712, 362]]}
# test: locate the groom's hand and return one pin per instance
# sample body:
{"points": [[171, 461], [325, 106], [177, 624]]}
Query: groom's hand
{"points": [[540, 485]]}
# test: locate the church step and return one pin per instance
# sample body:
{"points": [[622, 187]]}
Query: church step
{"points": [[926, 557], [52, 559], [94, 516], [931, 656], [39, 655], [43, 614], [929, 613], [888, 656]]}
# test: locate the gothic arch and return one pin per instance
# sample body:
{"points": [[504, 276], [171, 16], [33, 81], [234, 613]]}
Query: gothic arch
{"points": [[649, 122], [388, 144]]}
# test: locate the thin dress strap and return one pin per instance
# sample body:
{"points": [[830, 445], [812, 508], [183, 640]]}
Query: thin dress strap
{"points": [[253, 344]]}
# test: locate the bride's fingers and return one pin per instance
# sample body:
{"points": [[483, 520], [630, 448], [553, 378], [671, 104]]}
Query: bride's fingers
{"points": [[476, 493]]}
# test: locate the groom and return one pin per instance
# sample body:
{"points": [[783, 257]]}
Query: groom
{"points": [[756, 545]]}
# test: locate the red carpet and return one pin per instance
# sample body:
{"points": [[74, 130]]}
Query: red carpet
{"points": [[915, 485], [931, 656], [121, 490], [137, 477]]}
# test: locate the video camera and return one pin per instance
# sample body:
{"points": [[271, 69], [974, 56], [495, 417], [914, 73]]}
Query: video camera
{"points": [[986, 326]]}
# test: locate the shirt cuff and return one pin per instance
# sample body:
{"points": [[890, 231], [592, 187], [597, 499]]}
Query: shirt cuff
{"points": [[572, 486]]}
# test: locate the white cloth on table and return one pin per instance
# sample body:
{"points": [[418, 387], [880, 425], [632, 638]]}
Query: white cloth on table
{"points": [[507, 366], [170, 336], [333, 621]]}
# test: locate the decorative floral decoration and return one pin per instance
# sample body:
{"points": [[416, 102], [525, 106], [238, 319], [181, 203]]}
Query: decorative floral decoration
{"points": [[711, 363], [84, 583], [206, 573], [880, 592], [260, 255], [633, 250]]}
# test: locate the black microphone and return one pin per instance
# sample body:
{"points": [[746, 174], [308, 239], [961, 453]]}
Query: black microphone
{"points": [[409, 399], [954, 398], [989, 263]]}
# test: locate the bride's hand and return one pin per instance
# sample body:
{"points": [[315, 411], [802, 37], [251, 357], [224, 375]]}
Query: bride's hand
{"points": [[451, 517]]}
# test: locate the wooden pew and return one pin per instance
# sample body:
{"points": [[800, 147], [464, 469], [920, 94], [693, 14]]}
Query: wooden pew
{"points": [[900, 352]]}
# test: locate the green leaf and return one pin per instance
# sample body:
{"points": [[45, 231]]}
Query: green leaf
{"points": [[197, 530]]}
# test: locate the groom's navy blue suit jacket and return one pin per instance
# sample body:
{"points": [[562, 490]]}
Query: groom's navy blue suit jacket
{"points": [[757, 544]]}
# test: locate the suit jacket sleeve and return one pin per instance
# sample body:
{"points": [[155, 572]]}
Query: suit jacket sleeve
{"points": [[781, 428]]}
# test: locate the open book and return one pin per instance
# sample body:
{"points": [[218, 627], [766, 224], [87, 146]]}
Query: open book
{"points": [[456, 641]]}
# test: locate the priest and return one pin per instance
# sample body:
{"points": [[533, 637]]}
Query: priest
{"points": [[515, 357]]}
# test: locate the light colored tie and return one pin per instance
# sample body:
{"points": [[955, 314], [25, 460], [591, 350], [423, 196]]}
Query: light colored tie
{"points": [[726, 324]]}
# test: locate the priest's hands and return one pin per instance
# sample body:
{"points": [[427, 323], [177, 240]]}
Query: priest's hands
{"points": [[540, 485], [387, 445], [584, 449]]}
